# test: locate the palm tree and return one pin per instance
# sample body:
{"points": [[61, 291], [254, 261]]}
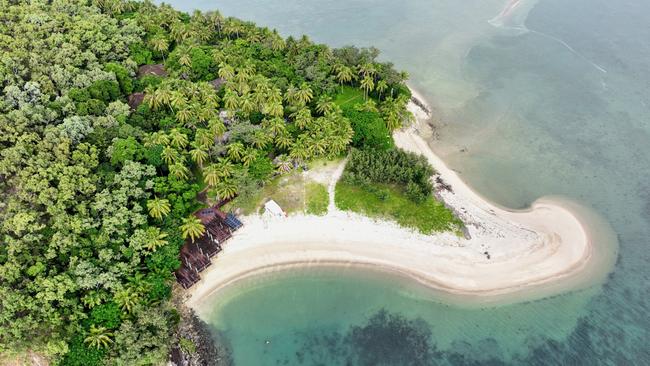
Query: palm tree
{"points": [[177, 100], [230, 100], [304, 94], [160, 44], [249, 157], [344, 74], [127, 299], [283, 164], [198, 154], [325, 105], [179, 171], [283, 140], [299, 152], [157, 138], [155, 239], [274, 109], [291, 95], [226, 167], [99, 337], [381, 87], [226, 71], [247, 105], [235, 150], [158, 208], [170, 155], [367, 70], [217, 128], [261, 139], [275, 125], [185, 115], [192, 228], [302, 118], [368, 85], [226, 189], [177, 138], [211, 175], [185, 59]]}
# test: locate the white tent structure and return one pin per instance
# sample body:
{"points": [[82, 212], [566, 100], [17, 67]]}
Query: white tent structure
{"points": [[273, 209]]}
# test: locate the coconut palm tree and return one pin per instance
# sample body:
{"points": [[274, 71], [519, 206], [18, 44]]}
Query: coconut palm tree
{"points": [[248, 157], [283, 140], [344, 74], [274, 109], [92, 299], [179, 171], [158, 208], [192, 228], [235, 150], [274, 125], [198, 154], [211, 175], [185, 116], [170, 155], [177, 138], [247, 105], [367, 70], [302, 118], [216, 127], [304, 94], [381, 87], [155, 239], [226, 189], [226, 71], [160, 44], [226, 167], [157, 138], [230, 100], [177, 100], [283, 164], [325, 105], [368, 85], [99, 337], [299, 152], [261, 139]]}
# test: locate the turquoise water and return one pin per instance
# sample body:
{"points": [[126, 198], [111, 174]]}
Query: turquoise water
{"points": [[553, 98]]}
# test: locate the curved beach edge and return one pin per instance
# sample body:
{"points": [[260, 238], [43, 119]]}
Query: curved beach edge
{"points": [[554, 246]]}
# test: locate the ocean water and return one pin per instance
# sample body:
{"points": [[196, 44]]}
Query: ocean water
{"points": [[531, 98]]}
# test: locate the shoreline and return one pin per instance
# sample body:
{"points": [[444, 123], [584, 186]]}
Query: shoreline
{"points": [[509, 255]]}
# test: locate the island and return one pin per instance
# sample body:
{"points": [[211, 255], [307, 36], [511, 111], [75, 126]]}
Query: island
{"points": [[150, 158]]}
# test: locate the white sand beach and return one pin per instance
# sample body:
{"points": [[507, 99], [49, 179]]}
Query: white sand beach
{"points": [[507, 252]]}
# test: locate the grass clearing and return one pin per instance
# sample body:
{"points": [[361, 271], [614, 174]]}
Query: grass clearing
{"points": [[388, 202], [317, 199], [349, 96]]}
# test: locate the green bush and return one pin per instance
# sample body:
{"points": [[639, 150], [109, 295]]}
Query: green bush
{"points": [[370, 131], [106, 315], [80, 355], [394, 166], [140, 54], [122, 75]]}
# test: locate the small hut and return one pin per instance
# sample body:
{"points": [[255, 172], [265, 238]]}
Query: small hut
{"points": [[272, 208]]}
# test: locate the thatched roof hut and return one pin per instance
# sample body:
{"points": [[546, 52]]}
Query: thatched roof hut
{"points": [[157, 70]]}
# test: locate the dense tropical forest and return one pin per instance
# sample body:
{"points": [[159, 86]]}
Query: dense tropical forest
{"points": [[103, 161]]}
